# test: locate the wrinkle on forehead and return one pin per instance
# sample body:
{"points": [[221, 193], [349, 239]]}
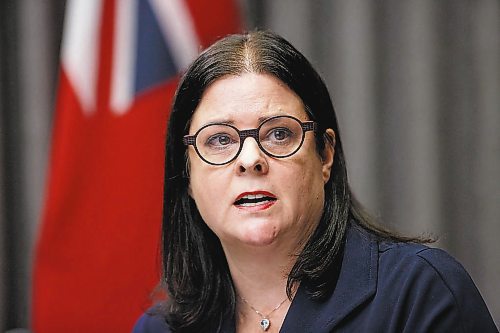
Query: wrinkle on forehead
{"points": [[247, 97]]}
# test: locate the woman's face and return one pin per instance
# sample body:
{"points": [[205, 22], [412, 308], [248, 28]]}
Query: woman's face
{"points": [[293, 187]]}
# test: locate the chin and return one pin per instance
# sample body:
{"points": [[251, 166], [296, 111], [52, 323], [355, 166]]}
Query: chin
{"points": [[261, 235]]}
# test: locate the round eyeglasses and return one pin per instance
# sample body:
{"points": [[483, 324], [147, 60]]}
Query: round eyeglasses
{"points": [[219, 144]]}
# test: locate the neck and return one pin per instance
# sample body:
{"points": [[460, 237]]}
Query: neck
{"points": [[259, 274], [260, 277]]}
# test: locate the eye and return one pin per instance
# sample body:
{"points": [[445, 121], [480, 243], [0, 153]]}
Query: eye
{"points": [[280, 134], [219, 139]]}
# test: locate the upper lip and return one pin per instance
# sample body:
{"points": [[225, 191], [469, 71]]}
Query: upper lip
{"points": [[264, 193]]}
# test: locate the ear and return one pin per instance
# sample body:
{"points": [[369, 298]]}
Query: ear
{"points": [[328, 154]]}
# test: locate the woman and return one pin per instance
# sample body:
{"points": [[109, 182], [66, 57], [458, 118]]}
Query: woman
{"points": [[261, 231]]}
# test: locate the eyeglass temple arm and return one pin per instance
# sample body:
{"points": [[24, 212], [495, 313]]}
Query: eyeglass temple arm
{"points": [[309, 126], [189, 140]]}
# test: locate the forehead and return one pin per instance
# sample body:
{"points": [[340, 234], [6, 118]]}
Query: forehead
{"points": [[245, 100]]}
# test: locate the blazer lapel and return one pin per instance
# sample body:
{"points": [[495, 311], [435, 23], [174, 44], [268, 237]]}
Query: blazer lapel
{"points": [[356, 284]]}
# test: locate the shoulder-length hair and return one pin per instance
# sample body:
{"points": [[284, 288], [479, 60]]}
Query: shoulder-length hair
{"points": [[199, 286]]}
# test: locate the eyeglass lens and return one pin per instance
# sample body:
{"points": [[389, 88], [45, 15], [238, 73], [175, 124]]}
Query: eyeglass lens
{"points": [[220, 143]]}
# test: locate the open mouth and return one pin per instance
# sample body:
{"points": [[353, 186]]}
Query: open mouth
{"points": [[250, 200]]}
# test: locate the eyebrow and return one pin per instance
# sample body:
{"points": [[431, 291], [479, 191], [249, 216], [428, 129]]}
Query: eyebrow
{"points": [[231, 122], [219, 121]]}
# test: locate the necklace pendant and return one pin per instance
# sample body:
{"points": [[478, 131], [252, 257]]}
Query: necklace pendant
{"points": [[264, 324]]}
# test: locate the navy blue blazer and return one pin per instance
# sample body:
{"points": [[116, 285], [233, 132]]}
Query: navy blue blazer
{"points": [[382, 287]]}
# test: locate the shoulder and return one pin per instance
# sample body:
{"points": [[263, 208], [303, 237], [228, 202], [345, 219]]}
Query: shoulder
{"points": [[411, 254], [409, 260], [151, 322], [431, 286]]}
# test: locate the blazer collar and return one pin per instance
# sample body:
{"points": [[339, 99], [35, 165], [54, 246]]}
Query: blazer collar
{"points": [[356, 283]]}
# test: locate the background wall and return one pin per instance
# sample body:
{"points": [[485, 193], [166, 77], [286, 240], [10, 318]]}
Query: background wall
{"points": [[30, 33], [415, 84]]}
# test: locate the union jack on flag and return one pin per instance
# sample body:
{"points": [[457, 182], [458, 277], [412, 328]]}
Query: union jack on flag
{"points": [[150, 42], [96, 259]]}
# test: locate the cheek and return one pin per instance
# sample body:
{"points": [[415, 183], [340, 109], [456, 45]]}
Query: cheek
{"points": [[312, 193], [307, 187], [196, 184], [207, 188], [202, 198], [201, 189]]}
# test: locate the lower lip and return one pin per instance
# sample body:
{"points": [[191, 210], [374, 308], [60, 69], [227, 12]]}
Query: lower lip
{"points": [[256, 208]]}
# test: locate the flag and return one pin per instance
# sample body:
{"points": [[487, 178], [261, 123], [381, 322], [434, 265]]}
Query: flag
{"points": [[96, 260]]}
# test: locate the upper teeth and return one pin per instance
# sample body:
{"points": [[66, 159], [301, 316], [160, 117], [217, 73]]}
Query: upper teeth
{"points": [[254, 196]]}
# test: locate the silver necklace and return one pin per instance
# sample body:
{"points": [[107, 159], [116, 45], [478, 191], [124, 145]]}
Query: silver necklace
{"points": [[265, 322]]}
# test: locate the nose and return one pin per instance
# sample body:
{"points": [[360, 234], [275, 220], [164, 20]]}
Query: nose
{"points": [[251, 159]]}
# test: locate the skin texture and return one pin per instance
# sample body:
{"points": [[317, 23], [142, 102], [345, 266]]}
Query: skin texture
{"points": [[259, 242]]}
